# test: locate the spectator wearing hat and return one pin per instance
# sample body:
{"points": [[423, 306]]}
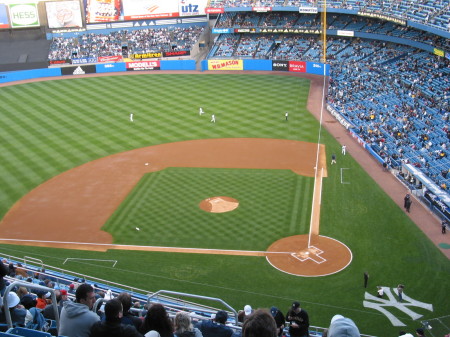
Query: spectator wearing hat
{"points": [[242, 315], [420, 332], [34, 318], [216, 327], [298, 321], [28, 301], [259, 324], [111, 326], [42, 297], [76, 317], [49, 311], [279, 320], [342, 326], [17, 311]]}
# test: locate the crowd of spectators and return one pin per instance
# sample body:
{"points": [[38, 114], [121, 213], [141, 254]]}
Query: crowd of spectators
{"points": [[80, 314], [399, 102], [334, 22], [137, 41], [434, 13], [397, 97]]}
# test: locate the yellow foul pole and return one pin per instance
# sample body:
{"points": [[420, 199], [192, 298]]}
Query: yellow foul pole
{"points": [[324, 31]]}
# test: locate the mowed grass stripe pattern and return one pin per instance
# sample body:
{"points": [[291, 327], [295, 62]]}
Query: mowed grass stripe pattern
{"points": [[50, 127], [165, 208]]}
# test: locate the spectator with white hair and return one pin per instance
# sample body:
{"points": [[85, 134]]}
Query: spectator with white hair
{"points": [[184, 327]]}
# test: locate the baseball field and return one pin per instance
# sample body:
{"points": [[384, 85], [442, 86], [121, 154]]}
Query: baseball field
{"points": [[55, 131]]}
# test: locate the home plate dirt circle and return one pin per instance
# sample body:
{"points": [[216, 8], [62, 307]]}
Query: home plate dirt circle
{"points": [[219, 204], [324, 256]]}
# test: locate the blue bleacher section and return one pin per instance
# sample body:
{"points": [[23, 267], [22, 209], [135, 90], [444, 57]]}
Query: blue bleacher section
{"points": [[147, 40], [432, 13]]}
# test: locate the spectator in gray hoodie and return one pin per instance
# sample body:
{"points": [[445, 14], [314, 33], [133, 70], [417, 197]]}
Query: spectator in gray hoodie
{"points": [[76, 317], [342, 327]]}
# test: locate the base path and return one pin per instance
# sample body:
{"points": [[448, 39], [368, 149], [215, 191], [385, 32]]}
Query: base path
{"points": [[78, 202], [74, 205]]}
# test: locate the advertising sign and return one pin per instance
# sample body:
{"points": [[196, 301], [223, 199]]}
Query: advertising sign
{"points": [[308, 10], [211, 10], [297, 66], [3, 16], [176, 53], [24, 15], [438, 52], [225, 65], [317, 68], [382, 16], [149, 9], [103, 10], [346, 33], [280, 65], [84, 60], [59, 62], [221, 30], [110, 67], [63, 14], [80, 70], [146, 56], [105, 59], [192, 7], [262, 9], [143, 65]]}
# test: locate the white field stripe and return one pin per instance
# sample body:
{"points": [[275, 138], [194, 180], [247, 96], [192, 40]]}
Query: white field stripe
{"points": [[169, 249]]}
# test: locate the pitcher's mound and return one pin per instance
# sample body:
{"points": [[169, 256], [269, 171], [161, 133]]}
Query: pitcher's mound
{"points": [[324, 256], [219, 204]]}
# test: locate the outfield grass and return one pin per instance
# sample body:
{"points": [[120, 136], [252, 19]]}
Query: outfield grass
{"points": [[50, 127]]}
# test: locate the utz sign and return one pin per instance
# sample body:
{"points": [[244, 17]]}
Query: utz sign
{"points": [[24, 15], [192, 7]]}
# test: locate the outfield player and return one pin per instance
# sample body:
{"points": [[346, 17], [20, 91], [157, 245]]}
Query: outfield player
{"points": [[213, 118], [131, 117], [201, 112], [344, 149], [286, 115]]}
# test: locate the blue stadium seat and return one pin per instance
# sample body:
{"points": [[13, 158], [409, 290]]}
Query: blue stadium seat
{"points": [[27, 332]]}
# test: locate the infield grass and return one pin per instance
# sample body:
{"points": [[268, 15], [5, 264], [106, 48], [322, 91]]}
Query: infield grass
{"points": [[165, 207], [50, 127]]}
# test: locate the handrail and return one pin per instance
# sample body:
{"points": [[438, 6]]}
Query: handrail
{"points": [[33, 259], [33, 286], [195, 296]]}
